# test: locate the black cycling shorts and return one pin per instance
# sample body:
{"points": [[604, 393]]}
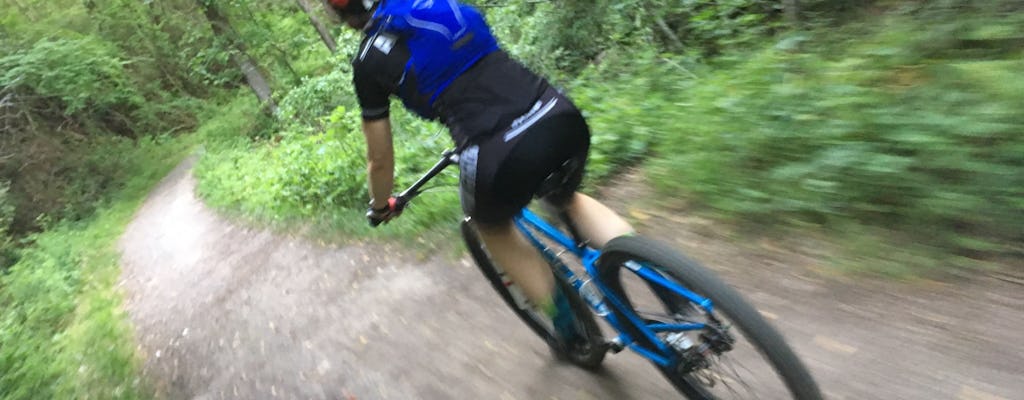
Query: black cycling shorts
{"points": [[500, 174]]}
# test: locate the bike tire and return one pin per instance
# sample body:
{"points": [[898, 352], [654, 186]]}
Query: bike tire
{"points": [[588, 355], [758, 332]]}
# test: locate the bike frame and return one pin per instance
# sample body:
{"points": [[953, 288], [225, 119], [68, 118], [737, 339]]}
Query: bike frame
{"points": [[533, 227], [528, 223]]}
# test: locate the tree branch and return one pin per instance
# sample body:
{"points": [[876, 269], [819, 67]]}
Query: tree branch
{"points": [[668, 33]]}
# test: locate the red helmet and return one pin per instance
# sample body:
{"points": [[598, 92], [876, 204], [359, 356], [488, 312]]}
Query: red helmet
{"points": [[352, 6]]}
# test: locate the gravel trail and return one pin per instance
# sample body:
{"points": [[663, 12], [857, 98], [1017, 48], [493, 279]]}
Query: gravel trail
{"points": [[222, 311]]}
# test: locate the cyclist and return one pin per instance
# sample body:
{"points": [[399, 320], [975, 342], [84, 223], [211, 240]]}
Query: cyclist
{"points": [[512, 128]]}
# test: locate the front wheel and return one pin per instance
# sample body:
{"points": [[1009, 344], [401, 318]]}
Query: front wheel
{"points": [[737, 355], [588, 353]]}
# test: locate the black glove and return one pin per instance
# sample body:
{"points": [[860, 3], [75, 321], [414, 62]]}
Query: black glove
{"points": [[377, 216]]}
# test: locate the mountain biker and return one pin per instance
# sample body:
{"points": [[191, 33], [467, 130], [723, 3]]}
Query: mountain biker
{"points": [[513, 129]]}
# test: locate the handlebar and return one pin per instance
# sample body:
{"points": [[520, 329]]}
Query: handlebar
{"points": [[400, 201]]}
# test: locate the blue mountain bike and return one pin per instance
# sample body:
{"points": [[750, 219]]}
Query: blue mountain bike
{"points": [[699, 332]]}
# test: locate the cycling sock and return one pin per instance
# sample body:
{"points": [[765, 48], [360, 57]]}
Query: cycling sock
{"points": [[548, 307], [561, 315]]}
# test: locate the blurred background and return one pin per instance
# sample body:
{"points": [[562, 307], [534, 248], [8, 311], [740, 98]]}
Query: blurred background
{"points": [[883, 139]]}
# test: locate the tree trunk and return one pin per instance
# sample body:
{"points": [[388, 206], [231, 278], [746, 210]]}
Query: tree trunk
{"points": [[256, 80], [252, 72], [792, 10], [330, 11], [672, 37], [325, 34]]}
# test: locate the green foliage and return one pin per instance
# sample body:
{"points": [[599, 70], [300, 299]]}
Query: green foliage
{"points": [[148, 37], [72, 77], [274, 31], [305, 104], [104, 167], [625, 104], [7, 250], [77, 81], [305, 173], [903, 125], [561, 38], [714, 26], [302, 173], [63, 331], [877, 131], [84, 74], [37, 302], [311, 164], [73, 185]]}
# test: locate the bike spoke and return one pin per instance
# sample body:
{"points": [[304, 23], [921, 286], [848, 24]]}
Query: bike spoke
{"points": [[730, 364]]}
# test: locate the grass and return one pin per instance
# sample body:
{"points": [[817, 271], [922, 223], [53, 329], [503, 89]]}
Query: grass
{"points": [[314, 180], [64, 332], [904, 152]]}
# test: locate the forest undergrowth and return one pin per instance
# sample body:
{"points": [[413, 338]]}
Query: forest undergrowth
{"points": [[890, 129]]}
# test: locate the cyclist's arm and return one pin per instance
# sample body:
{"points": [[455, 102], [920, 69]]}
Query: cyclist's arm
{"points": [[380, 157], [375, 72]]}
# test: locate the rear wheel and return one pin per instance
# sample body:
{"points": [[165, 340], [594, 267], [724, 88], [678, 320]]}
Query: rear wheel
{"points": [[737, 355], [588, 352]]}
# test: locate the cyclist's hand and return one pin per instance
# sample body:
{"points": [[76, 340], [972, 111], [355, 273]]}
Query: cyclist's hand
{"points": [[384, 214]]}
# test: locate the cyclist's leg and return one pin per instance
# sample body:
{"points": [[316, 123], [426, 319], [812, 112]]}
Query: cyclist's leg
{"points": [[523, 263], [501, 174], [595, 222], [492, 205], [528, 269]]}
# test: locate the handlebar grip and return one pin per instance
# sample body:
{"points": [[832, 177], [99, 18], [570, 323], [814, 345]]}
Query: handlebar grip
{"points": [[397, 204], [395, 207]]}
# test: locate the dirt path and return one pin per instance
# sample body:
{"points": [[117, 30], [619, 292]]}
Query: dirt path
{"points": [[224, 311]]}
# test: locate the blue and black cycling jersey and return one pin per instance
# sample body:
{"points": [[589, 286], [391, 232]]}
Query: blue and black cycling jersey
{"points": [[443, 63]]}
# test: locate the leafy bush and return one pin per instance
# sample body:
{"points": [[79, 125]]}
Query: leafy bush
{"points": [[711, 27], [625, 104], [38, 296], [558, 39], [561, 38], [317, 96], [85, 74], [102, 168], [73, 77], [320, 174], [878, 131], [71, 186], [168, 114], [63, 329]]}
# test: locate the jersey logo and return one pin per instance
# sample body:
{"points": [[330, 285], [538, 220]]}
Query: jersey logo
{"points": [[384, 43], [531, 117], [442, 26]]}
